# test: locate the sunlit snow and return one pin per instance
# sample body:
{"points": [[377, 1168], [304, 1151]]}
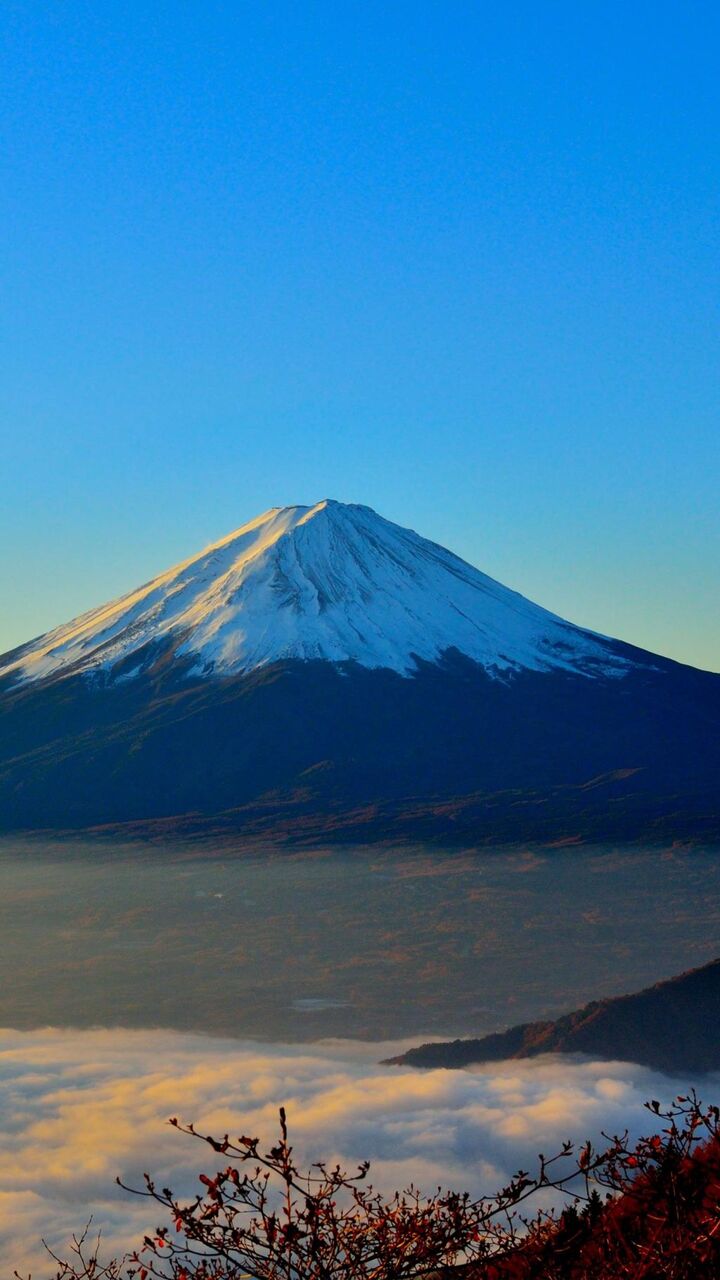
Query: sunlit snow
{"points": [[333, 581]]}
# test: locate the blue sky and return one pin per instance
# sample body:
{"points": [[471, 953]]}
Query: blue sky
{"points": [[458, 261]]}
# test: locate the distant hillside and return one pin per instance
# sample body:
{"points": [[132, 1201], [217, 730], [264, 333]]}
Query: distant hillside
{"points": [[673, 1026]]}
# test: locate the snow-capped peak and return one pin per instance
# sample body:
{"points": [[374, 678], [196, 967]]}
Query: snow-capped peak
{"points": [[333, 581]]}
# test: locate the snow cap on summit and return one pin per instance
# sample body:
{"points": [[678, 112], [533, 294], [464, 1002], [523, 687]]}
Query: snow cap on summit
{"points": [[331, 582]]}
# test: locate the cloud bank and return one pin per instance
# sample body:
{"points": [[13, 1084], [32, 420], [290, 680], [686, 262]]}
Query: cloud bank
{"points": [[80, 1107]]}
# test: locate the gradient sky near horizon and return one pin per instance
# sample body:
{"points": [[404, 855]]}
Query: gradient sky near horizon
{"points": [[455, 260]]}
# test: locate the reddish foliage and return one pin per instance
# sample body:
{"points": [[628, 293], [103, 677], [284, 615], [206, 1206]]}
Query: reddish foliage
{"points": [[645, 1212], [660, 1216]]}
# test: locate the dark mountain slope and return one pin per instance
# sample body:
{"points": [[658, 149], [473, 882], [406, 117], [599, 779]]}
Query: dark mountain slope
{"points": [[311, 749], [673, 1026]]}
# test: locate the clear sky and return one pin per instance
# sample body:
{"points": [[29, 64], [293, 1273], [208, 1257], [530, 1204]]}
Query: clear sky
{"points": [[458, 261]]}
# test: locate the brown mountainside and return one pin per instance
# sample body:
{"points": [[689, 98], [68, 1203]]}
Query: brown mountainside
{"points": [[673, 1026]]}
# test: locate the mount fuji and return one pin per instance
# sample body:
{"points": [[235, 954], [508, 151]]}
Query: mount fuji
{"points": [[322, 674], [333, 583]]}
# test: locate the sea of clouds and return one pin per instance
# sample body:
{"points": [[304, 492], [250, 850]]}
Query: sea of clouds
{"points": [[80, 1107]]}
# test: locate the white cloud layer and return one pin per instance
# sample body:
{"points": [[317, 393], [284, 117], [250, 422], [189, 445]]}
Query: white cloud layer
{"points": [[80, 1107]]}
